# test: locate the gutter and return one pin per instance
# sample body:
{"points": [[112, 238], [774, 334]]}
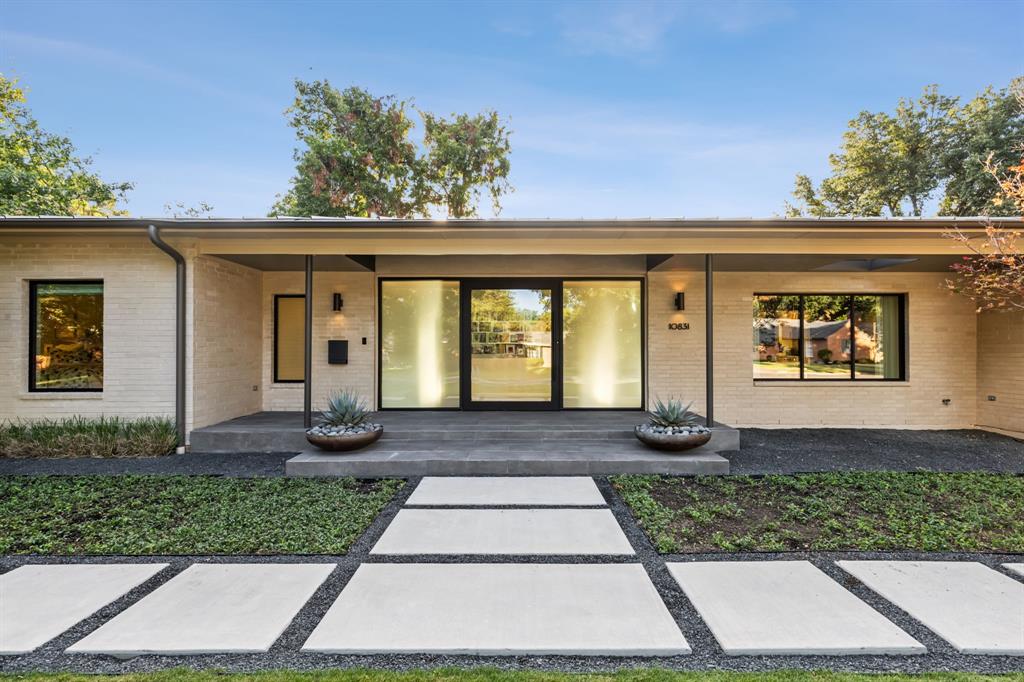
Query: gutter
{"points": [[179, 333]]}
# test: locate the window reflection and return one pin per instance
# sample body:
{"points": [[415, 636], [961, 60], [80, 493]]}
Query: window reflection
{"points": [[67, 339], [511, 345], [776, 337], [876, 319], [827, 346]]}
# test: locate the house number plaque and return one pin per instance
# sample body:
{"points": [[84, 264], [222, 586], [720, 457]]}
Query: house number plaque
{"points": [[678, 326]]}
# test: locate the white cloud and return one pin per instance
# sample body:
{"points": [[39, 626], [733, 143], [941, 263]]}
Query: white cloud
{"points": [[639, 28]]}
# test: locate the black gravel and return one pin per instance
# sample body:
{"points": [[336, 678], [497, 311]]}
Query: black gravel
{"points": [[790, 451], [707, 655], [762, 451]]}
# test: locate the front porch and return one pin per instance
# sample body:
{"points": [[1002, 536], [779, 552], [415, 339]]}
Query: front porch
{"points": [[430, 442]]}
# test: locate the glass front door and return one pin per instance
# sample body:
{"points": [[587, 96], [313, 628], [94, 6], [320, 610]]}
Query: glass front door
{"points": [[511, 354]]}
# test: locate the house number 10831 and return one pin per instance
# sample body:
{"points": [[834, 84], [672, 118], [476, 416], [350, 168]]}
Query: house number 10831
{"points": [[678, 326]]}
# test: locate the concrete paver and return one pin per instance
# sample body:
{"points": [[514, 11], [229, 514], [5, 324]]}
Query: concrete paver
{"points": [[785, 607], [974, 608], [507, 490], [39, 602], [1016, 568], [210, 608], [503, 531], [499, 609]]}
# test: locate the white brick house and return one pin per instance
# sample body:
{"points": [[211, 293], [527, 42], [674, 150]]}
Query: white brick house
{"points": [[506, 314]]}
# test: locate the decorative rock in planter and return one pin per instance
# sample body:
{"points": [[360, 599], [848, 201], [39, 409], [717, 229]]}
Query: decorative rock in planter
{"points": [[672, 438], [340, 439]]}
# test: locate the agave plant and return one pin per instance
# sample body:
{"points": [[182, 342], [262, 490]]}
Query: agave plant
{"points": [[345, 409], [672, 412]]}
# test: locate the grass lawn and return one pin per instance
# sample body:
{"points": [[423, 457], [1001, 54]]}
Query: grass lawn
{"points": [[832, 511], [185, 514], [488, 675]]}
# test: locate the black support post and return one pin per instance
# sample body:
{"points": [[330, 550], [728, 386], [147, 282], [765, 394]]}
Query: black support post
{"points": [[307, 385], [709, 338]]}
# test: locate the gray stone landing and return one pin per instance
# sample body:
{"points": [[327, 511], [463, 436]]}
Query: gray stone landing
{"points": [[534, 458], [450, 443]]}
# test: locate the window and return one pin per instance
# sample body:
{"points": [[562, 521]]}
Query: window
{"points": [[289, 338], [66, 336], [419, 344], [822, 337], [602, 325]]}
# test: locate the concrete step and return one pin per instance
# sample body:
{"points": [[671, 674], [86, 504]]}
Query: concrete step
{"points": [[539, 458]]}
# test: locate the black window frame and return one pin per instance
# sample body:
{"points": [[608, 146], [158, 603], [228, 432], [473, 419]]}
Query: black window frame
{"points": [[273, 350], [33, 322], [901, 304]]}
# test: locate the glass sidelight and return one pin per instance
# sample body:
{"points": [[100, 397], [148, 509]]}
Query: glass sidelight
{"points": [[512, 359], [419, 344], [603, 349]]}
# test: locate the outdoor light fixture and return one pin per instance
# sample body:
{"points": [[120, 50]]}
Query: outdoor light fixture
{"points": [[338, 303], [680, 300]]}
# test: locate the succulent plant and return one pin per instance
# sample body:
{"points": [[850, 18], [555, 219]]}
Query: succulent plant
{"points": [[672, 412], [345, 409]]}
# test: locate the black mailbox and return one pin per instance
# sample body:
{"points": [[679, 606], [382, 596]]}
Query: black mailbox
{"points": [[337, 352]]}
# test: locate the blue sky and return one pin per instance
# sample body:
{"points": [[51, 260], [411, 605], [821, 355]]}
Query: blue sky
{"points": [[618, 109]]}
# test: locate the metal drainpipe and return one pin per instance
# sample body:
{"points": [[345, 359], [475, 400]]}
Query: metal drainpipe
{"points": [[179, 333], [709, 337]]}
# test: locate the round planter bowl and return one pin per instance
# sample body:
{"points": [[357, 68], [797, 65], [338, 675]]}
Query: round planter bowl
{"points": [[671, 442], [345, 442]]}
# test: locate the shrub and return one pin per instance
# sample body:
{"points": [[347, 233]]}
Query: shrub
{"points": [[88, 437]]}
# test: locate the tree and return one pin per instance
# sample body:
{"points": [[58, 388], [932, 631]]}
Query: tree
{"points": [[993, 276], [463, 155], [987, 130], [892, 164], [40, 173], [357, 158]]}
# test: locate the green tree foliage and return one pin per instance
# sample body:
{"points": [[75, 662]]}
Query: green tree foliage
{"points": [[465, 154], [892, 164], [40, 173], [357, 158]]}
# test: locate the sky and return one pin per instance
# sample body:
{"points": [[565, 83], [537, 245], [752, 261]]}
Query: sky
{"points": [[618, 109]]}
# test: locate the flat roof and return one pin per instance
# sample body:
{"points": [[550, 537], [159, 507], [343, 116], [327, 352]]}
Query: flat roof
{"points": [[433, 224]]}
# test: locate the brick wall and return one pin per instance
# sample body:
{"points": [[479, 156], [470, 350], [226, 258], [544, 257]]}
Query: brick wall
{"points": [[138, 320], [940, 360], [357, 320], [227, 340], [1001, 371]]}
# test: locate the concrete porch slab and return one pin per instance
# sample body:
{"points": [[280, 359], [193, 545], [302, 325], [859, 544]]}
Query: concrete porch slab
{"points": [[974, 608], [757, 608], [507, 490], [499, 609], [503, 531], [39, 602], [210, 608], [581, 458]]}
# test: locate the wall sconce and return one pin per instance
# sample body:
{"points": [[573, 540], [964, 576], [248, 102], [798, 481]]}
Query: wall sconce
{"points": [[338, 303], [680, 301]]}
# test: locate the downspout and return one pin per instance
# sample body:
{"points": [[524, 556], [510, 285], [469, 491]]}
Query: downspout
{"points": [[709, 339], [179, 333]]}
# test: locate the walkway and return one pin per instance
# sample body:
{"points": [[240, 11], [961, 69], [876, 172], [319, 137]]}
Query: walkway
{"points": [[499, 567]]}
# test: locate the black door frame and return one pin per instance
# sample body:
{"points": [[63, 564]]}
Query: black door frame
{"points": [[556, 284], [466, 337]]}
